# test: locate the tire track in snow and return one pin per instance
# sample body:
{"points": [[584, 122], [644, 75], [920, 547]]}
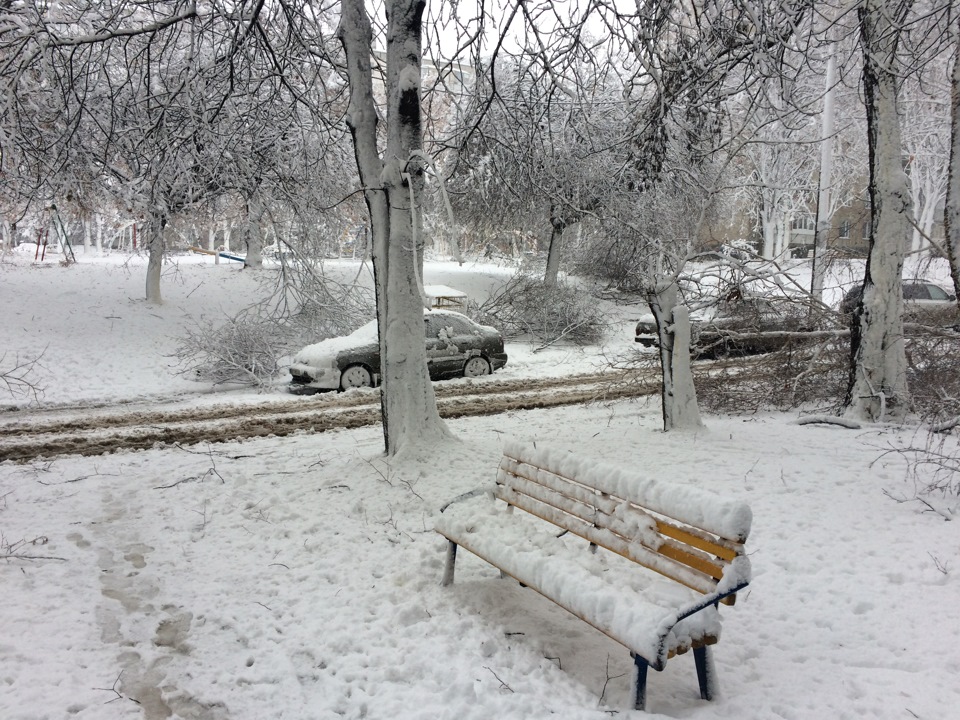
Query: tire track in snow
{"points": [[24, 441]]}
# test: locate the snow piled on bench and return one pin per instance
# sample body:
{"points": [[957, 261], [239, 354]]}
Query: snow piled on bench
{"points": [[727, 517], [623, 600]]}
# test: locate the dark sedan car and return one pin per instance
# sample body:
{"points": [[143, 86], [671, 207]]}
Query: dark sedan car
{"points": [[738, 326], [456, 347]]}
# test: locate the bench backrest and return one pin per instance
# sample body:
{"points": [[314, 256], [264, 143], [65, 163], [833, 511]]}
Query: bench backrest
{"points": [[685, 533]]}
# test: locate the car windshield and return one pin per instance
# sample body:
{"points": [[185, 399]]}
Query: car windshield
{"points": [[435, 323]]}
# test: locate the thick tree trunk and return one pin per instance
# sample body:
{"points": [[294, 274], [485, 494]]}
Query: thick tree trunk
{"points": [[410, 417], [769, 236], [677, 391], [152, 237], [951, 212], [878, 367]]}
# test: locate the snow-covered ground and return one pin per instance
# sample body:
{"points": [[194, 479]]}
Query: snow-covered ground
{"points": [[98, 341], [298, 577]]}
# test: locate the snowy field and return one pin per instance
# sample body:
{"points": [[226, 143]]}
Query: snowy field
{"points": [[99, 342], [298, 577]]}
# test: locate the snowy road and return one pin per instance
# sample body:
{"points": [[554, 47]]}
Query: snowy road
{"points": [[110, 430]]}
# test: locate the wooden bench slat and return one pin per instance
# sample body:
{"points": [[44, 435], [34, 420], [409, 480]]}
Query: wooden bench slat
{"points": [[608, 540], [717, 515], [588, 506], [609, 504], [720, 548], [710, 542]]}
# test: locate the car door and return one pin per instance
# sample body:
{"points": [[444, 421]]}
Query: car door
{"points": [[916, 301], [439, 352], [934, 306], [448, 340]]}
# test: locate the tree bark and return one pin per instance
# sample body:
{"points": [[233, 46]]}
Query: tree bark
{"points": [[878, 380], [87, 232], [677, 391], [951, 211], [410, 417], [254, 236], [825, 182], [153, 238], [557, 227]]}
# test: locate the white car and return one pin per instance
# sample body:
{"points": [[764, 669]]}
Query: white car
{"points": [[921, 299]]}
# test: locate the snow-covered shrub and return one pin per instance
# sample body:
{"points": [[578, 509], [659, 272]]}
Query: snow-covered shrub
{"points": [[242, 349], [528, 306], [932, 373], [803, 374], [934, 465], [17, 376], [814, 375], [247, 348]]}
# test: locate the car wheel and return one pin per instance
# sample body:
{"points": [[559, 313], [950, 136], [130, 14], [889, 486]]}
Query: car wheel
{"points": [[476, 366], [355, 376]]}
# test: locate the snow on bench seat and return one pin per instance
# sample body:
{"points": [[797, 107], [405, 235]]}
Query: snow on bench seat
{"points": [[691, 538]]}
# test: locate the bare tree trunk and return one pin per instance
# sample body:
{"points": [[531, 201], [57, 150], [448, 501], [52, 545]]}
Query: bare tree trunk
{"points": [[87, 232], [677, 391], [410, 416], [951, 211], [878, 380], [557, 227], [254, 235], [153, 229], [826, 180], [99, 234]]}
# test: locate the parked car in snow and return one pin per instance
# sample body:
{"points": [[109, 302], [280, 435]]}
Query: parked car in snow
{"points": [[737, 326], [922, 300], [456, 347]]}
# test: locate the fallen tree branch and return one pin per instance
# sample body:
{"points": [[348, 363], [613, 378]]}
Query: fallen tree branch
{"points": [[829, 420]]}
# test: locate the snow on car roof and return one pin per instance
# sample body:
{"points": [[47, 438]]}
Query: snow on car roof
{"points": [[323, 353]]}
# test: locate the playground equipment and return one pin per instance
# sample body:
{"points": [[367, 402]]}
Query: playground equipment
{"points": [[228, 256]]}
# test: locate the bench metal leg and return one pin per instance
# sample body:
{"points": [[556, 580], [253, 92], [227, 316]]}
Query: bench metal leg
{"points": [[449, 565], [706, 674], [640, 683]]}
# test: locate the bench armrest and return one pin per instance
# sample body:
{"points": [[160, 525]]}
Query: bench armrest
{"points": [[706, 601], [734, 580]]}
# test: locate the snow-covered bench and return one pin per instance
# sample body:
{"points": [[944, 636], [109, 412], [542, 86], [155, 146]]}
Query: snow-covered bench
{"points": [[693, 540]]}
